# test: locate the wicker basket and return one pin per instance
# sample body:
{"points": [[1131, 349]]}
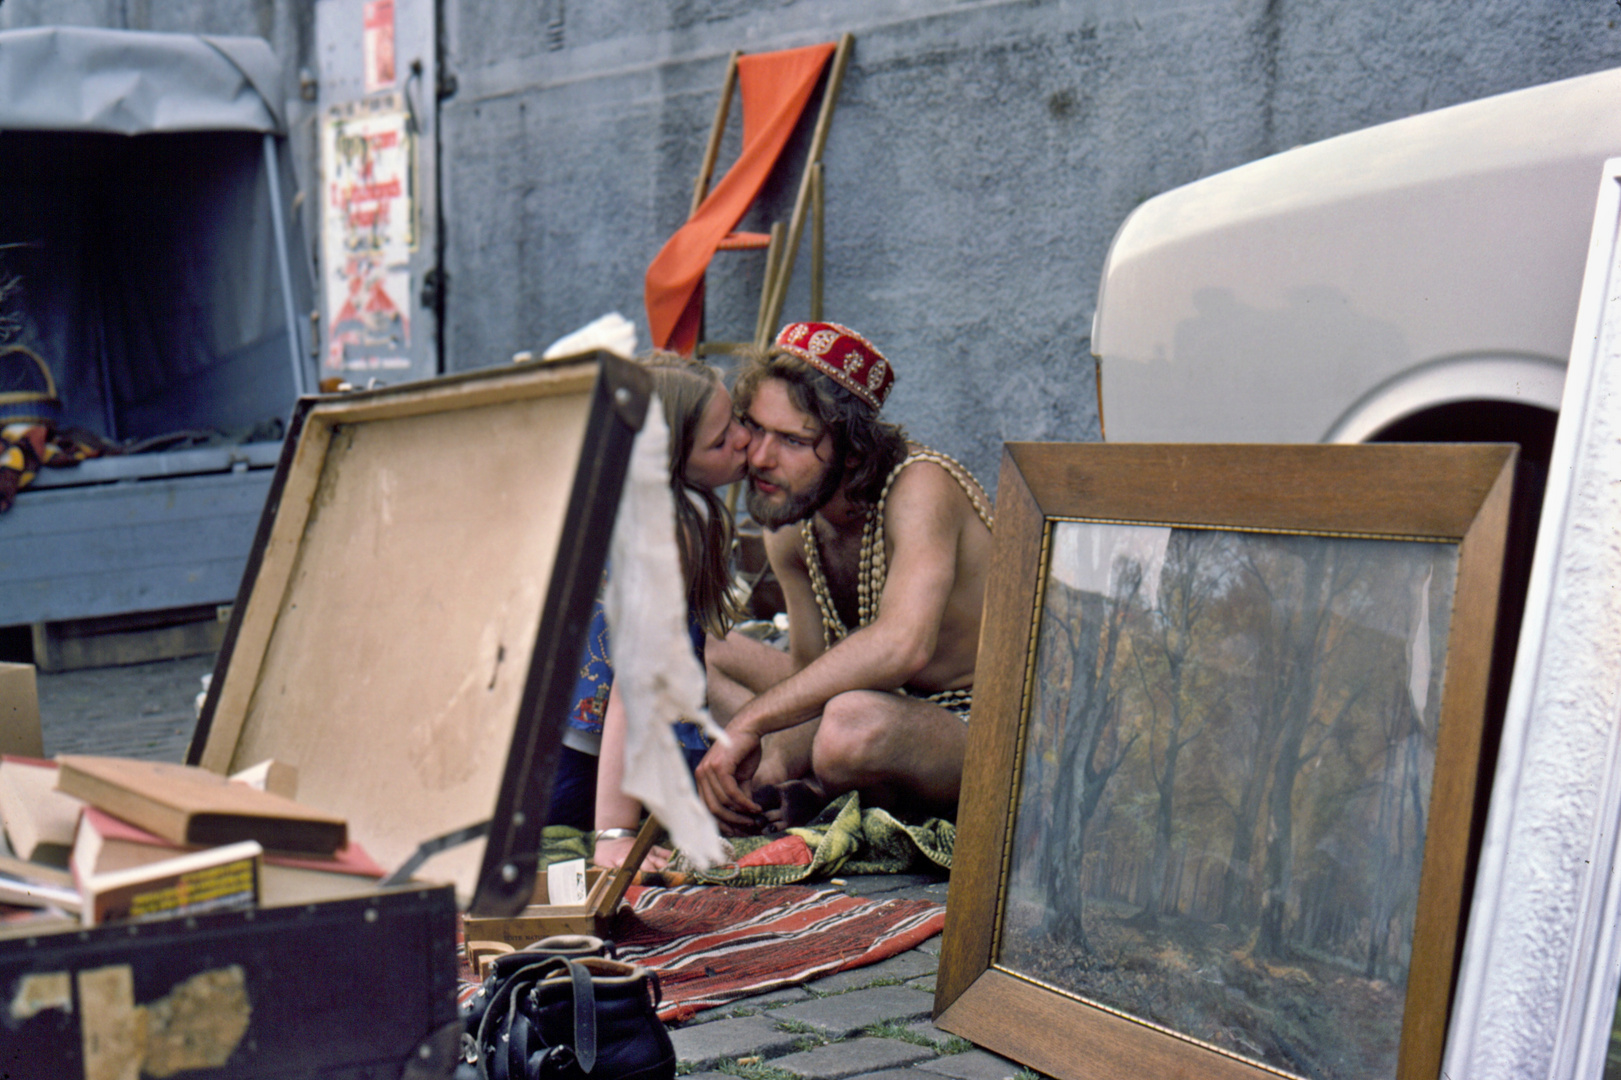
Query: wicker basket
{"points": [[27, 391]]}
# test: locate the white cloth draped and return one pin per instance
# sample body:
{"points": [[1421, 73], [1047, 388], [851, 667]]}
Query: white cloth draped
{"points": [[659, 679]]}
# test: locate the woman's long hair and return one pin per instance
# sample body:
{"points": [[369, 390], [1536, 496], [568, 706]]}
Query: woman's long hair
{"points": [[703, 526]]}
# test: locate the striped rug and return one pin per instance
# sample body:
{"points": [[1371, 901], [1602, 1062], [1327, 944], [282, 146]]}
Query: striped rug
{"points": [[712, 944]]}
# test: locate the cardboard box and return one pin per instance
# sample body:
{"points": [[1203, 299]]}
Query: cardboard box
{"points": [[406, 637], [19, 711]]}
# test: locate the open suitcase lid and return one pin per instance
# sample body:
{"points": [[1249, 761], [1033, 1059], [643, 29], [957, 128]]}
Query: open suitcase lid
{"points": [[410, 620]]}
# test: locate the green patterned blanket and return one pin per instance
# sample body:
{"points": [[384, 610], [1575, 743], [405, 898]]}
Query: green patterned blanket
{"points": [[844, 839]]}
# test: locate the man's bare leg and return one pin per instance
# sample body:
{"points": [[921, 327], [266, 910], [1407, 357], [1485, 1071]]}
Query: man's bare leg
{"points": [[738, 669], [900, 752], [790, 804], [786, 755]]}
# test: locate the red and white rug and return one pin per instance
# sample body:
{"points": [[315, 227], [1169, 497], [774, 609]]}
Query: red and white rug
{"points": [[713, 944]]}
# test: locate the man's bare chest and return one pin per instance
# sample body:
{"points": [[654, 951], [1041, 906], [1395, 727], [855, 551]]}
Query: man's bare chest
{"points": [[840, 558]]}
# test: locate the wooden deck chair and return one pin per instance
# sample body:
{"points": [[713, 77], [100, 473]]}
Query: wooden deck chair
{"points": [[776, 87]]}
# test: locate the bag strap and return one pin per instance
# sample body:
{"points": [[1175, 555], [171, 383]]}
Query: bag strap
{"points": [[499, 1022], [585, 1016], [655, 986], [497, 1018]]}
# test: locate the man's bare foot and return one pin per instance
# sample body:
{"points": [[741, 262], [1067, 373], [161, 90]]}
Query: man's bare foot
{"points": [[790, 804]]}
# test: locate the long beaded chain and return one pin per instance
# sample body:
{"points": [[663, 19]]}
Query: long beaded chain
{"points": [[874, 565]]}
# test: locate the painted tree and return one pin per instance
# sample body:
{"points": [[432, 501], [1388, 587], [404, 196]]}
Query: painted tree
{"points": [[1175, 626], [1082, 629], [1408, 721], [1303, 586], [1252, 744]]}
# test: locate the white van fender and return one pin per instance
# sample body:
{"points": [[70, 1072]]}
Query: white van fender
{"points": [[1287, 297], [1524, 379]]}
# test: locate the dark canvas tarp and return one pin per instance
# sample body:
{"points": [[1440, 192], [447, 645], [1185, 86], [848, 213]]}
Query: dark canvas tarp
{"points": [[146, 205]]}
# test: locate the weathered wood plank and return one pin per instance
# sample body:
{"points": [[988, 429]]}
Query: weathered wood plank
{"points": [[84, 552]]}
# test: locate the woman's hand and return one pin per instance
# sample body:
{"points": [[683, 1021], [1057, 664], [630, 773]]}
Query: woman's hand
{"points": [[611, 855]]}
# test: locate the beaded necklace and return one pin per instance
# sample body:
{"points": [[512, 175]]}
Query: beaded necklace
{"points": [[874, 565]]}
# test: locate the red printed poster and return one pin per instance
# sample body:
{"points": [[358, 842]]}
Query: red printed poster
{"points": [[377, 44], [368, 232]]}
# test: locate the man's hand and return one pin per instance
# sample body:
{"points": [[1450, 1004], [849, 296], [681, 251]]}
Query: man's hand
{"points": [[721, 778]]}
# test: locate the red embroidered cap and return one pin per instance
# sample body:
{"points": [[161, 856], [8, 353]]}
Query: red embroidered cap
{"points": [[845, 355]]}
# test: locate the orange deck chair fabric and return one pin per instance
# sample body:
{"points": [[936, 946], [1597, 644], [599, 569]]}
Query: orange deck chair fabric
{"points": [[776, 87]]}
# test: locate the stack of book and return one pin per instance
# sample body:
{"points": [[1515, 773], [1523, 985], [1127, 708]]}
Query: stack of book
{"points": [[103, 839]]}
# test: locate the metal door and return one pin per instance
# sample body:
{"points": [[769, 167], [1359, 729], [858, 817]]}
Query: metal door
{"points": [[381, 278]]}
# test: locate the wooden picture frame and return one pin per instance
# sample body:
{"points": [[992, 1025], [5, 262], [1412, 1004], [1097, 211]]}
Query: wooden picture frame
{"points": [[1536, 991], [1071, 1008]]}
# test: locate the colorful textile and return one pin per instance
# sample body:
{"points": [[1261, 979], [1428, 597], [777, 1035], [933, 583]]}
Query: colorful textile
{"points": [[844, 356], [776, 87], [597, 675], [711, 946], [843, 839], [25, 448]]}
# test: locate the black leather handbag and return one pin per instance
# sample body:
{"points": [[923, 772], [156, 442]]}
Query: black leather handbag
{"points": [[573, 946], [559, 1018]]}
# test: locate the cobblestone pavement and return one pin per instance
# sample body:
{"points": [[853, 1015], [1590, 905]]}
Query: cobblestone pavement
{"points": [[140, 710], [871, 1023]]}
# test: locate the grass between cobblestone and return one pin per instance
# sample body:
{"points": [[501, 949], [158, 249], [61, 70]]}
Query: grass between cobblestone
{"points": [[747, 1069], [894, 1029], [810, 1037], [886, 980]]}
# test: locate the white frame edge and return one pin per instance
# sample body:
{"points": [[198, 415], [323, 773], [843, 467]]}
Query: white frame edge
{"points": [[1537, 984]]}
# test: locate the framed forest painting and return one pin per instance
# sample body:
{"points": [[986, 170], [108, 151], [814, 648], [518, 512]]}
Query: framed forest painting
{"points": [[1222, 770]]}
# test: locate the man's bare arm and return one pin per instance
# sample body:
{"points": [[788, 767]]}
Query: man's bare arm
{"points": [[727, 767], [924, 528]]}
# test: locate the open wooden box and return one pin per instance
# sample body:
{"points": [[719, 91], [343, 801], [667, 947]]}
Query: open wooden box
{"points": [[541, 918], [413, 610], [406, 636]]}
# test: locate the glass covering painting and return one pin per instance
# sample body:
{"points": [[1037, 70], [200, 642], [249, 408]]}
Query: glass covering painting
{"points": [[1225, 777]]}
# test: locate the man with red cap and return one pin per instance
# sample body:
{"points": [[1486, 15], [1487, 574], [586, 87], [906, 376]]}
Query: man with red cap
{"points": [[881, 547]]}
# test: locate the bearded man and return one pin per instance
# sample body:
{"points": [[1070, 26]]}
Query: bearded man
{"points": [[881, 547]]}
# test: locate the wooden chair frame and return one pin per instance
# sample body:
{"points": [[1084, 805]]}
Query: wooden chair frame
{"points": [[783, 244]]}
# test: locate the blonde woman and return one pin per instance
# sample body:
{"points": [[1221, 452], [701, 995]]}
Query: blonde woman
{"points": [[708, 449]]}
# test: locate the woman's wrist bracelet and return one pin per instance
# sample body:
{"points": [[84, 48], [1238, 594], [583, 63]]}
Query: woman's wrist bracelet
{"points": [[615, 834]]}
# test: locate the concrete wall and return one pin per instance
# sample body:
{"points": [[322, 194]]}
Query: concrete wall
{"points": [[982, 155], [980, 160]]}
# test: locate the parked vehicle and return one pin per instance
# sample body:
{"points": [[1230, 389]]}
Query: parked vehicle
{"points": [[1412, 281], [1415, 281]]}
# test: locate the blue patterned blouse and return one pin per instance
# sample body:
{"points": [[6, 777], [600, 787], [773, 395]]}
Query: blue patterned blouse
{"points": [[597, 676]]}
